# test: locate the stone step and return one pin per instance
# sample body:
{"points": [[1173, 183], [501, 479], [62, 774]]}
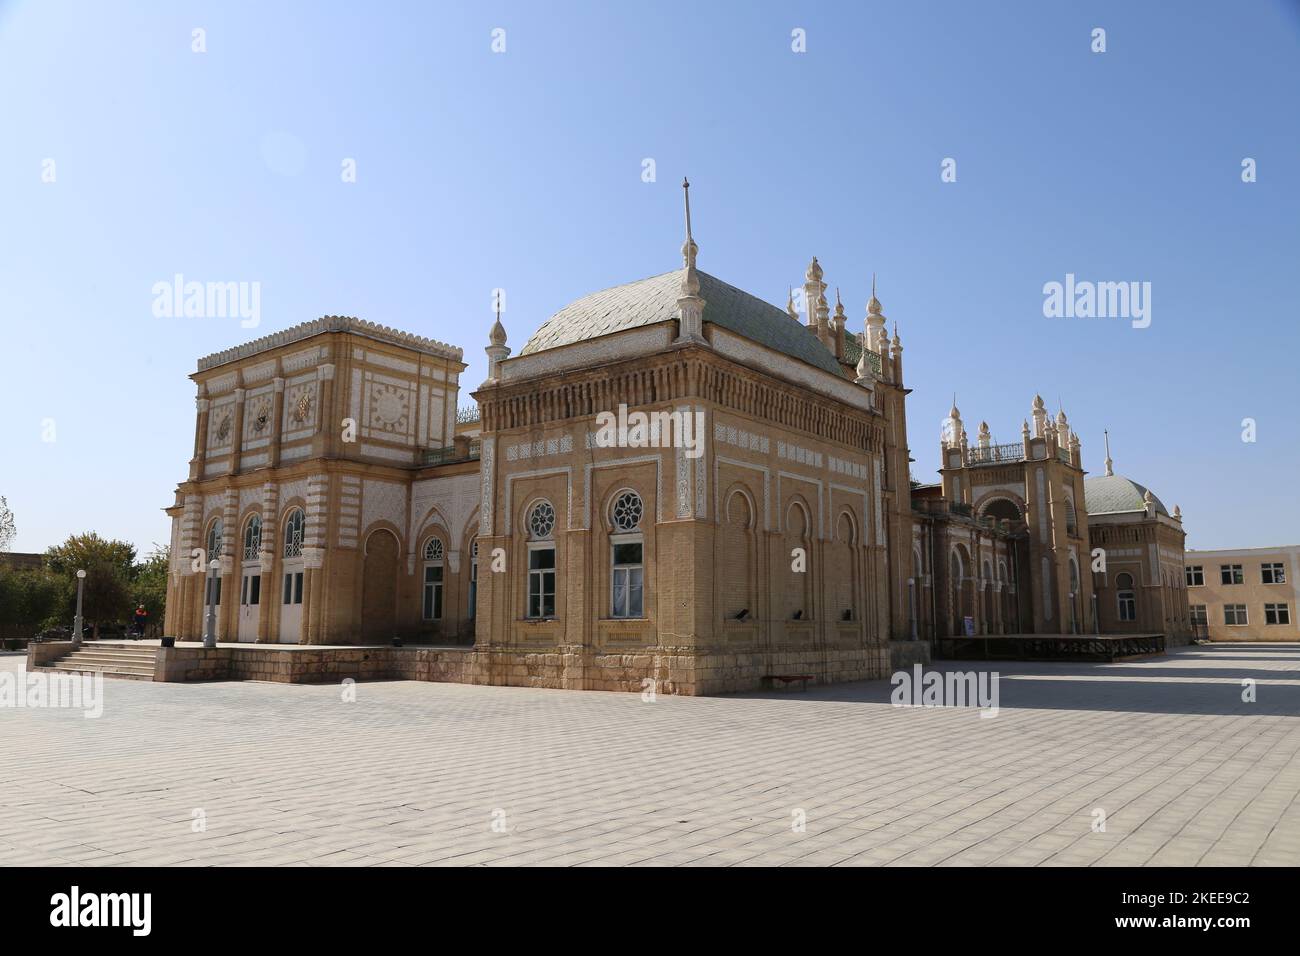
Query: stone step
{"points": [[99, 661], [130, 673], [113, 653], [112, 661]]}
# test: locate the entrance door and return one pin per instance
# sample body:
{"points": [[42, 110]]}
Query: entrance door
{"points": [[250, 603], [291, 603]]}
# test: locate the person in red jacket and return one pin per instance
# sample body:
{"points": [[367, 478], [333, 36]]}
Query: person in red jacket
{"points": [[141, 618]]}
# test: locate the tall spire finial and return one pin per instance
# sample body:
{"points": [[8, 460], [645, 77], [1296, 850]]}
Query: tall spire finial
{"points": [[1110, 469], [686, 193], [690, 281]]}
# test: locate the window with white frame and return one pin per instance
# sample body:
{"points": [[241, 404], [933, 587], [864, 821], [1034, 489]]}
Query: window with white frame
{"points": [[1234, 615], [252, 538], [434, 554], [294, 530], [1198, 615], [1231, 574], [541, 562], [1195, 575], [1125, 597], [627, 565], [1273, 573], [1277, 614]]}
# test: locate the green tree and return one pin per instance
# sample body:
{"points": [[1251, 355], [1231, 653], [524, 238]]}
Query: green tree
{"points": [[31, 599], [149, 585], [109, 574]]}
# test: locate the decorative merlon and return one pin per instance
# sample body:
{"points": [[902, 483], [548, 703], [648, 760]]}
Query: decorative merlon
{"points": [[332, 323]]}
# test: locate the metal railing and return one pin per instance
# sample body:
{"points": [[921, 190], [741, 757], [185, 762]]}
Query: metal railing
{"points": [[1013, 451], [445, 455], [468, 414]]}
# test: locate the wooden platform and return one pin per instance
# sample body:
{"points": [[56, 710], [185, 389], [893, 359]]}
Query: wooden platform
{"points": [[1051, 647]]}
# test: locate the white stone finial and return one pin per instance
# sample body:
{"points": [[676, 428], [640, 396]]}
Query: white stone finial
{"points": [[1110, 465], [690, 280], [690, 307], [873, 304]]}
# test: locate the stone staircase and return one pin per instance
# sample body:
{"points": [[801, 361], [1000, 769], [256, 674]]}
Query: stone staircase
{"points": [[132, 661]]}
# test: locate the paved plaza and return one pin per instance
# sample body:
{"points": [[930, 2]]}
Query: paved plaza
{"points": [[419, 773]]}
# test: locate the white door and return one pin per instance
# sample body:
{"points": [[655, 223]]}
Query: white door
{"points": [[291, 582], [250, 603]]}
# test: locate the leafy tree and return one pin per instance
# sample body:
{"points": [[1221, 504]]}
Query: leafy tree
{"points": [[149, 585], [31, 599], [8, 530], [109, 575]]}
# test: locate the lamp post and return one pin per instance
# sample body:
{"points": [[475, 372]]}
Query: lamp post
{"points": [[76, 623], [1096, 621], [210, 622]]}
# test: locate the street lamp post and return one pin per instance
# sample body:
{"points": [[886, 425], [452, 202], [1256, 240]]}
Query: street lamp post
{"points": [[210, 622], [76, 623]]}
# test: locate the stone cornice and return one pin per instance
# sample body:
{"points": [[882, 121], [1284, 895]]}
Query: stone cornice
{"points": [[326, 324]]}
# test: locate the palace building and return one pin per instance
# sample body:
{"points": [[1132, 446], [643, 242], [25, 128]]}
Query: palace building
{"points": [[752, 516]]}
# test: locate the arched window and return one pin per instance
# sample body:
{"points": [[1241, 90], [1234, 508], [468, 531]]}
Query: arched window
{"points": [[1071, 520], [627, 578], [294, 530], [797, 556], [1125, 597], [252, 538], [216, 541], [541, 561], [216, 538], [736, 573], [434, 551]]}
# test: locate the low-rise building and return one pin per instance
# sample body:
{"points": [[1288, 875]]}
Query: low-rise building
{"points": [[1245, 594]]}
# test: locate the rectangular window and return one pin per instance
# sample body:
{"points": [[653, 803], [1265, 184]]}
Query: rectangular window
{"points": [[293, 587], [1273, 573], [433, 592], [1234, 615], [1195, 575], [1198, 614], [628, 581], [1231, 574], [541, 582], [1127, 606], [252, 590], [1277, 614], [297, 588]]}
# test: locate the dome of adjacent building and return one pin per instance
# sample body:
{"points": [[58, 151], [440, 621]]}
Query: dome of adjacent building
{"points": [[654, 300], [1115, 494]]}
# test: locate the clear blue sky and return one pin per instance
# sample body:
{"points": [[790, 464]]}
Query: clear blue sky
{"points": [[523, 170]]}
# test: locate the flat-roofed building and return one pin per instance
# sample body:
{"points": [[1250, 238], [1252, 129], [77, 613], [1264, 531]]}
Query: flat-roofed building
{"points": [[1244, 594]]}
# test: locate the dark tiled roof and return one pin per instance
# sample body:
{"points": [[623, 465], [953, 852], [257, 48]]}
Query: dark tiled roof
{"points": [[653, 300], [1115, 494]]}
